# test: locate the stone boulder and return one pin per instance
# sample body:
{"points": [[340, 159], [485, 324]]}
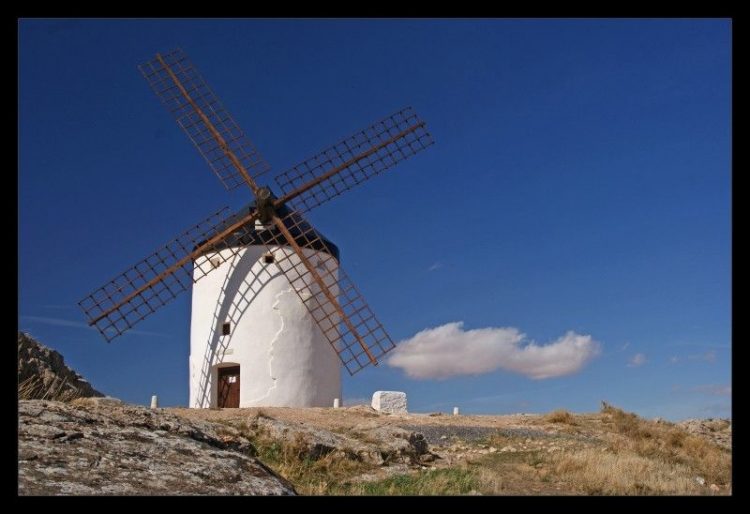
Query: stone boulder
{"points": [[718, 431], [389, 402], [372, 443], [92, 447]]}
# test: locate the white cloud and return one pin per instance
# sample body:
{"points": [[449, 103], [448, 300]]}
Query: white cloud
{"points": [[713, 389], [709, 356], [637, 360], [44, 320], [449, 350], [57, 322], [435, 266], [624, 347], [703, 345]]}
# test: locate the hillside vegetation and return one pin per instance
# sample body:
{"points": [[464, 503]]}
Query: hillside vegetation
{"points": [[73, 441], [603, 453]]}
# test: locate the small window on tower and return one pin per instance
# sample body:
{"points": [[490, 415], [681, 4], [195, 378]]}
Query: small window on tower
{"points": [[226, 328], [268, 258]]}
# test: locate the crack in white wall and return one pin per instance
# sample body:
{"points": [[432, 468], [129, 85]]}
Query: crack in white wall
{"points": [[276, 337]]}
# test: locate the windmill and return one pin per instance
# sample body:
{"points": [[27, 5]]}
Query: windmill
{"points": [[270, 303]]}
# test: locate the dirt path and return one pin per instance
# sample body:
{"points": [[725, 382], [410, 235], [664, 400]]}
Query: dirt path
{"points": [[348, 417]]}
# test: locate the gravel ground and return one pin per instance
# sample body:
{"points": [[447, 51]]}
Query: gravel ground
{"points": [[437, 435]]}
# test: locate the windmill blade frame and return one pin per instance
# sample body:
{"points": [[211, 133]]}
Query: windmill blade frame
{"points": [[203, 118], [353, 160], [331, 298], [153, 282]]}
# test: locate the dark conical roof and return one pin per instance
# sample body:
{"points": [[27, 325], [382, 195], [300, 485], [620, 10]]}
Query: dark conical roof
{"points": [[298, 227]]}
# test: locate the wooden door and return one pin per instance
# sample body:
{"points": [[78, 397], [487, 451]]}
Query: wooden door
{"points": [[229, 387]]}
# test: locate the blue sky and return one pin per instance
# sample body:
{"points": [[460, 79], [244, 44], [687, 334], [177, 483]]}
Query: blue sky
{"points": [[580, 181]]}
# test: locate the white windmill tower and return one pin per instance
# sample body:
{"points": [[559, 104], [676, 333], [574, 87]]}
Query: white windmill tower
{"points": [[273, 313], [247, 321]]}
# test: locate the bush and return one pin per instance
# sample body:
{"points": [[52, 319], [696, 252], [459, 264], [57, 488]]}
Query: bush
{"points": [[560, 416], [34, 388]]}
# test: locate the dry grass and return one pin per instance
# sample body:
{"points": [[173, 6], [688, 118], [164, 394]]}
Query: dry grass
{"points": [[34, 388], [513, 473], [610, 452], [333, 473], [311, 475], [560, 416], [627, 455], [599, 471], [666, 443], [450, 481]]}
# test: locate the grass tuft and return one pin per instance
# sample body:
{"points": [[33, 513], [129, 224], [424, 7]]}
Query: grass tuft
{"points": [[560, 416], [311, 474], [34, 388], [449, 481]]}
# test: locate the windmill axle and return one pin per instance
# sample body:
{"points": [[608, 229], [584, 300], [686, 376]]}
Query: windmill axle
{"points": [[265, 205]]}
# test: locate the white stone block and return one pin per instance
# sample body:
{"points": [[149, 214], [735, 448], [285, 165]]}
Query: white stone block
{"points": [[392, 402]]}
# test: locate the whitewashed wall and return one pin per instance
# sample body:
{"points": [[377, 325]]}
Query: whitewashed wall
{"points": [[285, 360]]}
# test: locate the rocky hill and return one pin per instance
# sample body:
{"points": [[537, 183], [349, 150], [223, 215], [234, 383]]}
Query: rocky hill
{"points": [[356, 450], [42, 373], [717, 430], [97, 445]]}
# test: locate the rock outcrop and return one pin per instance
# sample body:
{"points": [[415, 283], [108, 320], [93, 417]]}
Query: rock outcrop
{"points": [[42, 373], [372, 442], [93, 447], [719, 431]]}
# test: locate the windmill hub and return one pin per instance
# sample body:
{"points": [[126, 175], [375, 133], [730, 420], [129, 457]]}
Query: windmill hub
{"points": [[264, 204]]}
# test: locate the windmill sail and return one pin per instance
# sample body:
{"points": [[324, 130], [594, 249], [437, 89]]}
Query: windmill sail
{"points": [[213, 131], [156, 280], [336, 305], [354, 160]]}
